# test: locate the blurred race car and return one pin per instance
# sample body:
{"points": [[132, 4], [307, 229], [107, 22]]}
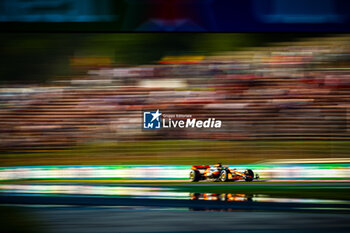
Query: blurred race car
{"points": [[220, 173]]}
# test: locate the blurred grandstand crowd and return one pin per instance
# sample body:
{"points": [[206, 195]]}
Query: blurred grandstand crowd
{"points": [[297, 90]]}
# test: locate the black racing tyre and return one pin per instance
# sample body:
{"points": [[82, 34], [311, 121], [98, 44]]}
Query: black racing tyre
{"points": [[223, 197], [195, 196], [223, 176], [194, 176], [249, 175]]}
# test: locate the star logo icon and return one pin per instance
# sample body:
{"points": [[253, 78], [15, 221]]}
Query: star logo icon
{"points": [[156, 115]]}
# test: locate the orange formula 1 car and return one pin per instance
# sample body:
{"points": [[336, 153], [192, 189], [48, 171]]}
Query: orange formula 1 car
{"points": [[220, 173]]}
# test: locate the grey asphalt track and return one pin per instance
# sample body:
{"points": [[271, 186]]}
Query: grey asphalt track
{"points": [[68, 213], [83, 200], [107, 220]]}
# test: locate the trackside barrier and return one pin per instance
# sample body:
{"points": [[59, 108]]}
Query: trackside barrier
{"points": [[295, 171]]}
